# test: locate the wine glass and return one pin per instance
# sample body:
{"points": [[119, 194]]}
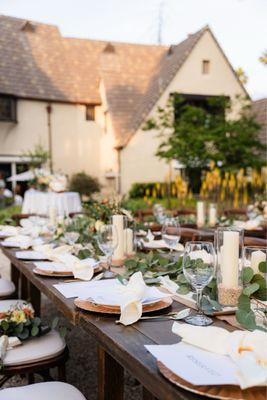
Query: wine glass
{"points": [[199, 269], [159, 213], [107, 240], [171, 232], [71, 237]]}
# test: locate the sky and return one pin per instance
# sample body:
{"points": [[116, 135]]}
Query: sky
{"points": [[239, 25]]}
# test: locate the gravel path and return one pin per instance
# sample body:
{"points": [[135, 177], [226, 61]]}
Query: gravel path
{"points": [[82, 364]]}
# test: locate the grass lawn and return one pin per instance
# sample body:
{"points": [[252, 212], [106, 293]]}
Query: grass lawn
{"points": [[7, 212]]}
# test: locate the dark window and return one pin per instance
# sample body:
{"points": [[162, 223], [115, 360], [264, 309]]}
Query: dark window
{"points": [[212, 104], [90, 113], [8, 108], [205, 67]]}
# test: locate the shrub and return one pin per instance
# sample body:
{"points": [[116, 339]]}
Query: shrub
{"points": [[84, 184]]}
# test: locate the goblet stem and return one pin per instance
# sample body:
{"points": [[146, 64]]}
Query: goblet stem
{"points": [[199, 297]]}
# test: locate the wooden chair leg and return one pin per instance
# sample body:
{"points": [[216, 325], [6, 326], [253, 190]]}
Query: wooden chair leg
{"points": [[3, 380], [62, 372], [45, 374], [147, 395], [31, 379]]}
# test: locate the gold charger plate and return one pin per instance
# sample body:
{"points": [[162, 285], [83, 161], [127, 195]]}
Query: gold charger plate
{"points": [[58, 274], [88, 305], [223, 392]]}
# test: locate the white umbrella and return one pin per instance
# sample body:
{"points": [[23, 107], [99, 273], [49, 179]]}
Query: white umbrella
{"points": [[24, 176]]}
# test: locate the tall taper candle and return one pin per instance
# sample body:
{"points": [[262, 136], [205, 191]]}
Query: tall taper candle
{"points": [[128, 241], [212, 215], [117, 220], [230, 259], [200, 214]]}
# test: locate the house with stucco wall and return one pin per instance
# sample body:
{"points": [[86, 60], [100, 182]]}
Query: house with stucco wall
{"points": [[86, 100]]}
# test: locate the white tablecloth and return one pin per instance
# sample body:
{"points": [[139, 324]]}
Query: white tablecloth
{"points": [[36, 202]]}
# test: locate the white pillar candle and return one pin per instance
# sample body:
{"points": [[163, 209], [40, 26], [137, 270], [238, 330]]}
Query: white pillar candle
{"points": [[128, 241], [52, 215], [212, 215], [117, 221], [229, 256], [200, 214], [257, 257]]}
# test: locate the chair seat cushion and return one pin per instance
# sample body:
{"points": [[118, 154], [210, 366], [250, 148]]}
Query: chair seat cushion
{"points": [[6, 304], [6, 287], [35, 349], [42, 391]]}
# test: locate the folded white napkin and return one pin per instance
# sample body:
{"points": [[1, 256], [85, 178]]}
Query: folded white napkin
{"points": [[81, 269], [133, 293], [21, 241], [248, 225], [160, 244], [51, 253], [7, 230], [168, 284], [248, 350]]}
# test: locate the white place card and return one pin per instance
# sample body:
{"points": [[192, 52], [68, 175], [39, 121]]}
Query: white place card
{"points": [[194, 365], [30, 255], [52, 266]]}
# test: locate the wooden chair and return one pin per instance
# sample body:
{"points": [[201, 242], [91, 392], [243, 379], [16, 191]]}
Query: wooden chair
{"points": [[251, 241], [42, 391], [74, 214], [36, 355], [184, 211], [231, 212], [142, 214]]}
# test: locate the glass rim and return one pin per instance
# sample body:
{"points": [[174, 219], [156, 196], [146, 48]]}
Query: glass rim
{"points": [[255, 247], [198, 242]]}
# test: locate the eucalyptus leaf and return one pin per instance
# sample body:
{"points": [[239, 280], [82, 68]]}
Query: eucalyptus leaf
{"points": [[37, 321], [246, 319], [247, 275], [4, 325], [183, 289], [34, 330], [250, 289], [263, 267], [55, 323], [24, 334], [63, 331], [244, 303]]}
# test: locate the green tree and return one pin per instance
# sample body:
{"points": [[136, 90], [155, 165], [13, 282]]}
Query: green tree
{"points": [[195, 134], [38, 157]]}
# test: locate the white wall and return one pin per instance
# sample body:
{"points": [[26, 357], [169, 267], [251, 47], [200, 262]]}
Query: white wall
{"points": [[76, 142], [139, 163]]}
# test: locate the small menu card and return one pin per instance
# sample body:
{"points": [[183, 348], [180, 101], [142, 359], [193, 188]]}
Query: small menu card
{"points": [[196, 366]]}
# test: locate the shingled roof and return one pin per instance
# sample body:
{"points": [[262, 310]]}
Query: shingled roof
{"points": [[37, 62]]}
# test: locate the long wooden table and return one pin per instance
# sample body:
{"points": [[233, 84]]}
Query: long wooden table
{"points": [[120, 347]]}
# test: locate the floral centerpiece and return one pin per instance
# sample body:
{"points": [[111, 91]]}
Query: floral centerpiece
{"points": [[43, 180], [20, 321]]}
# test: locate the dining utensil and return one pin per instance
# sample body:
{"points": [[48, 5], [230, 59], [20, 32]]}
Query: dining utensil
{"points": [[175, 316]]}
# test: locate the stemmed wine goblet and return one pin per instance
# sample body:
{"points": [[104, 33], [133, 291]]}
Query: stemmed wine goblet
{"points": [[199, 268], [107, 239]]}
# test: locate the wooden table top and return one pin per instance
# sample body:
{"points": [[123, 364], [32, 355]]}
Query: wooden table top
{"points": [[124, 344]]}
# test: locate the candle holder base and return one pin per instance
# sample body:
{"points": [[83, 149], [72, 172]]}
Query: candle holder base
{"points": [[118, 263], [228, 296]]}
